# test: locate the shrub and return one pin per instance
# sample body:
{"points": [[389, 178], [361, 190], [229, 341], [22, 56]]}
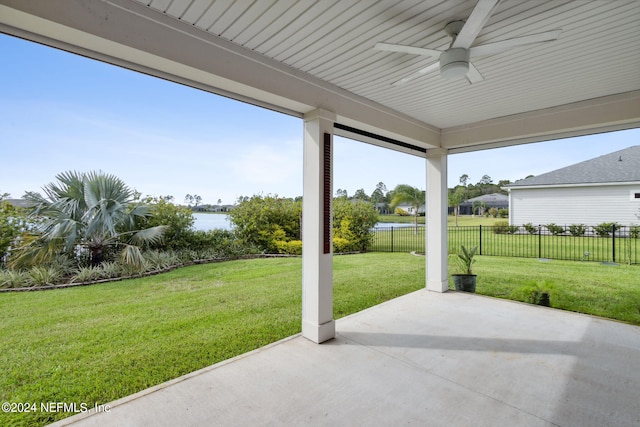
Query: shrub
{"points": [[13, 279], [577, 229], [341, 245], [354, 221], [604, 229], [503, 227], [109, 270], [41, 276], [493, 212], [13, 224], [292, 247], [554, 229], [178, 220], [503, 213], [530, 228], [156, 261], [401, 212], [634, 231], [87, 274], [261, 220]]}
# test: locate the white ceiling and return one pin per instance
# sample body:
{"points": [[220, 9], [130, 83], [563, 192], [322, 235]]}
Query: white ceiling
{"points": [[597, 54], [298, 55]]}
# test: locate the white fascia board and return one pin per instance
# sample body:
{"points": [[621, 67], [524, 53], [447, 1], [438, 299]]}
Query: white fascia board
{"points": [[586, 184], [598, 115], [134, 36]]}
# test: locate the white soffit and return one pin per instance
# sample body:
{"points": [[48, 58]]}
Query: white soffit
{"points": [[298, 55]]}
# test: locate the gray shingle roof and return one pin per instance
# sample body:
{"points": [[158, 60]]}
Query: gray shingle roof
{"points": [[19, 203], [619, 166], [493, 198]]}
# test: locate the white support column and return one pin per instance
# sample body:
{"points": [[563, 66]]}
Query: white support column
{"points": [[317, 249], [437, 202]]}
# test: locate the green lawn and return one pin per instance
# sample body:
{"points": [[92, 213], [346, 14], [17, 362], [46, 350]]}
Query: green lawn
{"points": [[463, 220], [98, 343], [605, 290], [588, 248]]}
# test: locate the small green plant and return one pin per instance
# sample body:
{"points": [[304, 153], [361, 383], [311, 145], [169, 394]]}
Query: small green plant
{"points": [[109, 270], [554, 229], [160, 260], [577, 229], [604, 229], [41, 276], [634, 231], [530, 228], [87, 274], [532, 293], [13, 279], [503, 227], [465, 259]]}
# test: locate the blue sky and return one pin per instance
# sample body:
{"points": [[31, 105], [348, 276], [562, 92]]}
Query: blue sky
{"points": [[61, 112]]}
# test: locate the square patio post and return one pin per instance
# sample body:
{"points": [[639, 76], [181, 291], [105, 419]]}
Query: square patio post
{"points": [[437, 202], [317, 248]]}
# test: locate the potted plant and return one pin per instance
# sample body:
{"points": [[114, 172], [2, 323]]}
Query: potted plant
{"points": [[466, 280]]}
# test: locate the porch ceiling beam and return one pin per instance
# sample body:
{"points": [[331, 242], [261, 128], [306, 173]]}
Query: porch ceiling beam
{"points": [[605, 114], [128, 34]]}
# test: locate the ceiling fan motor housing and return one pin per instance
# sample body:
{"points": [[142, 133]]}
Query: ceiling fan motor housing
{"points": [[454, 63]]}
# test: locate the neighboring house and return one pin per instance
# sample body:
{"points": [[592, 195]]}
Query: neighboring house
{"points": [[410, 209], [604, 189], [383, 208], [19, 203], [493, 200]]}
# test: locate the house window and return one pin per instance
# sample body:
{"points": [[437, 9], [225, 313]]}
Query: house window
{"points": [[635, 195]]}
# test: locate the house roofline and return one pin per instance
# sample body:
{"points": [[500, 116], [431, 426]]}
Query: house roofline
{"points": [[582, 184]]}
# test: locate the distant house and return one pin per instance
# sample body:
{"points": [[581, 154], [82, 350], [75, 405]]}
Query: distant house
{"points": [[604, 189], [19, 203], [409, 209], [383, 208], [486, 202]]}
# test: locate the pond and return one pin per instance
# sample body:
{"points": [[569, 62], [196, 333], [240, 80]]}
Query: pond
{"points": [[210, 221]]}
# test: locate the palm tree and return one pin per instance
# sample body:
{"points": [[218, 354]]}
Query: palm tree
{"points": [[90, 210], [407, 194], [456, 198]]}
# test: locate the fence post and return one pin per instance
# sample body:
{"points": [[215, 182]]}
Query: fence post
{"points": [[539, 241], [613, 242], [391, 239], [480, 239]]}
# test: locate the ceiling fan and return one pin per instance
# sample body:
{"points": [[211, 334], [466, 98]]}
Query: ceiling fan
{"points": [[455, 61]]}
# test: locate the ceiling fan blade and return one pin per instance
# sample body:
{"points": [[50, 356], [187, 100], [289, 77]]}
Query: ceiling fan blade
{"points": [[407, 49], [415, 75], [473, 75], [479, 16], [504, 45]]}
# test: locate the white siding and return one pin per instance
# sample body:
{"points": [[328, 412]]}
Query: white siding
{"points": [[575, 205]]}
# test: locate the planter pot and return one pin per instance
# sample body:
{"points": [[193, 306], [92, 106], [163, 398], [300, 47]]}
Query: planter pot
{"points": [[464, 282]]}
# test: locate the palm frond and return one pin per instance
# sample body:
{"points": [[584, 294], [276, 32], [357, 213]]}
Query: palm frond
{"points": [[149, 235], [132, 256], [34, 251]]}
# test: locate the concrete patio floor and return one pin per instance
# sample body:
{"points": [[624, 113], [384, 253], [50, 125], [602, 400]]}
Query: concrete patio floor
{"points": [[432, 359]]}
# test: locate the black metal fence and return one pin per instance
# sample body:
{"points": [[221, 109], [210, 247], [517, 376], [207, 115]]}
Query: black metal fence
{"points": [[612, 243]]}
